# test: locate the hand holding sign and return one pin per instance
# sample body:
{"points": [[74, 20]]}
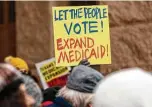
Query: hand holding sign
{"points": [[84, 62]]}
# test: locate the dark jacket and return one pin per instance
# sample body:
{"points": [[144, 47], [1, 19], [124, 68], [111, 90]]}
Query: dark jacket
{"points": [[59, 102], [49, 94]]}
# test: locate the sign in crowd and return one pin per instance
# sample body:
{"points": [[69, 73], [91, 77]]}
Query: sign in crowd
{"points": [[51, 75], [80, 32]]}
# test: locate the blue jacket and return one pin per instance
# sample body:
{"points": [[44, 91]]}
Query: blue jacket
{"points": [[60, 102]]}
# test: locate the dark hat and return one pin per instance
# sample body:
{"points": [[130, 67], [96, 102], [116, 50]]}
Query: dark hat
{"points": [[60, 102], [83, 79]]}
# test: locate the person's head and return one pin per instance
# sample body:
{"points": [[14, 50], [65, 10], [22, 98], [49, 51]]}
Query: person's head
{"points": [[12, 89], [33, 90], [18, 63], [76, 98], [21, 66], [80, 85], [126, 88]]}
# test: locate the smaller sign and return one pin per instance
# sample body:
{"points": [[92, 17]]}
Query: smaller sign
{"points": [[50, 75]]}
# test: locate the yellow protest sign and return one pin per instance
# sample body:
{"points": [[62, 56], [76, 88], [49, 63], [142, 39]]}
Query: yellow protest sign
{"points": [[50, 71], [50, 74], [81, 32]]}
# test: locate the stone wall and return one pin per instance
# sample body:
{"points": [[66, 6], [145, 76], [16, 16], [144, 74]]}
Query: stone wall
{"points": [[130, 31], [131, 35], [34, 29]]}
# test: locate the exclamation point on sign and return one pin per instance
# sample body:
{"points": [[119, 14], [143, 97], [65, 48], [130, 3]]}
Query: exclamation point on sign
{"points": [[101, 26], [107, 49]]}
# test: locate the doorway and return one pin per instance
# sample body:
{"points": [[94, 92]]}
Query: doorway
{"points": [[7, 29]]}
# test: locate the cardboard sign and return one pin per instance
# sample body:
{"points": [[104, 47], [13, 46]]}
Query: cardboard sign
{"points": [[51, 75], [81, 32]]}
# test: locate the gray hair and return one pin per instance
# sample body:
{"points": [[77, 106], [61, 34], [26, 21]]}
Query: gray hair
{"points": [[78, 99]]}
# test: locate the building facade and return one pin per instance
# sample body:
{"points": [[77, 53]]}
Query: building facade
{"points": [[30, 35]]}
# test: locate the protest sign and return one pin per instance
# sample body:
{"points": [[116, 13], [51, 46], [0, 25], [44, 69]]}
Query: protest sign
{"points": [[81, 32], [51, 75]]}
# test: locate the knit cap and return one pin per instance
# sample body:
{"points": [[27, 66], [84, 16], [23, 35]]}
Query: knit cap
{"points": [[84, 79], [17, 62]]}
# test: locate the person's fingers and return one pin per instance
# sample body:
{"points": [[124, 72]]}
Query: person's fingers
{"points": [[84, 62]]}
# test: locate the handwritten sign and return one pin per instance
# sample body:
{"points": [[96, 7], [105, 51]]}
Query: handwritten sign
{"points": [[81, 32], [51, 75]]}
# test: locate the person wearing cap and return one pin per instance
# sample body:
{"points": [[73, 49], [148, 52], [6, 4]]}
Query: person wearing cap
{"points": [[78, 91], [32, 87], [50, 93], [12, 88], [125, 88], [20, 65]]}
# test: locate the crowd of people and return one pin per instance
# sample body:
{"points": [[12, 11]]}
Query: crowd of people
{"points": [[85, 87]]}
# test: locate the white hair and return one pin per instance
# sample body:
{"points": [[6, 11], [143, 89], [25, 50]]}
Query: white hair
{"points": [[77, 99], [128, 88]]}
